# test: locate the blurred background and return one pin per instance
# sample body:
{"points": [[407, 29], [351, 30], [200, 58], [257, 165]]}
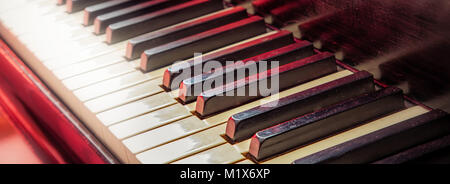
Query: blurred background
{"points": [[403, 43]]}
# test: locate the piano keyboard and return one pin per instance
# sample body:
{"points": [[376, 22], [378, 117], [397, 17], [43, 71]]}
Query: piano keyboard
{"points": [[111, 64]]}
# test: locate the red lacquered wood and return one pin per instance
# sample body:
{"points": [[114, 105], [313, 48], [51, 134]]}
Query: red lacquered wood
{"points": [[66, 132], [21, 141]]}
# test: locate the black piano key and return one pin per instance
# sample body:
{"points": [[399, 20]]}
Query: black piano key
{"points": [[177, 73], [78, 5], [288, 75], [264, 6], [153, 21], [283, 55], [433, 152], [243, 125], [200, 43], [235, 1], [325, 122], [91, 12], [147, 41], [384, 142], [103, 21]]}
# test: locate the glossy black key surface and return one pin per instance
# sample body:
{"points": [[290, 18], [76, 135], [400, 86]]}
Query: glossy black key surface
{"points": [[237, 71], [103, 21], [91, 12], [433, 152], [201, 43], [384, 142], [243, 125], [174, 75], [325, 122], [78, 5], [288, 75], [153, 21], [141, 43]]}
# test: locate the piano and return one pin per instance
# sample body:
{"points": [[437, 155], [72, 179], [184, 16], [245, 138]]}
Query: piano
{"points": [[233, 81]]}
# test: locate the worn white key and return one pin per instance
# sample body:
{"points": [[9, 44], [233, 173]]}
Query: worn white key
{"points": [[181, 148], [59, 47], [111, 85], [31, 9], [7, 5], [115, 84], [52, 50], [124, 96], [95, 50], [149, 121], [134, 109], [29, 22], [95, 76], [90, 65], [223, 154], [175, 130], [245, 162]]}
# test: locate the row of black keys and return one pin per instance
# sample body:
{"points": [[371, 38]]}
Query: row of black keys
{"points": [[299, 64]]}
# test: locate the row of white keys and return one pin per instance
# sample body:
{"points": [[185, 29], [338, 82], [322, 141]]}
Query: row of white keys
{"points": [[8, 5], [87, 66], [135, 94], [49, 39], [148, 104], [125, 96], [75, 79], [152, 106], [30, 15], [135, 109], [61, 42], [139, 145], [30, 21], [115, 84], [111, 78], [68, 72], [227, 153], [359, 131], [98, 75]]}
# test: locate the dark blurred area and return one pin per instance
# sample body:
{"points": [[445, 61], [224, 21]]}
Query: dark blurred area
{"points": [[403, 43]]}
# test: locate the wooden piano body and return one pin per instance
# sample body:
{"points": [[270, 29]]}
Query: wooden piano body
{"points": [[106, 99]]}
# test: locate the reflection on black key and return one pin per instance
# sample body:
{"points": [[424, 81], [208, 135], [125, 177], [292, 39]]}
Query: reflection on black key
{"points": [[103, 21], [200, 43], [325, 122], [91, 12], [159, 19], [288, 75], [178, 72], [433, 152], [78, 5], [384, 142], [243, 125], [147, 41], [283, 55]]}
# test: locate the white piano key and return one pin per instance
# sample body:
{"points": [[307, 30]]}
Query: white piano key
{"points": [[150, 121], [124, 96], [178, 149], [90, 65], [223, 154], [95, 76], [135, 109], [112, 85]]}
